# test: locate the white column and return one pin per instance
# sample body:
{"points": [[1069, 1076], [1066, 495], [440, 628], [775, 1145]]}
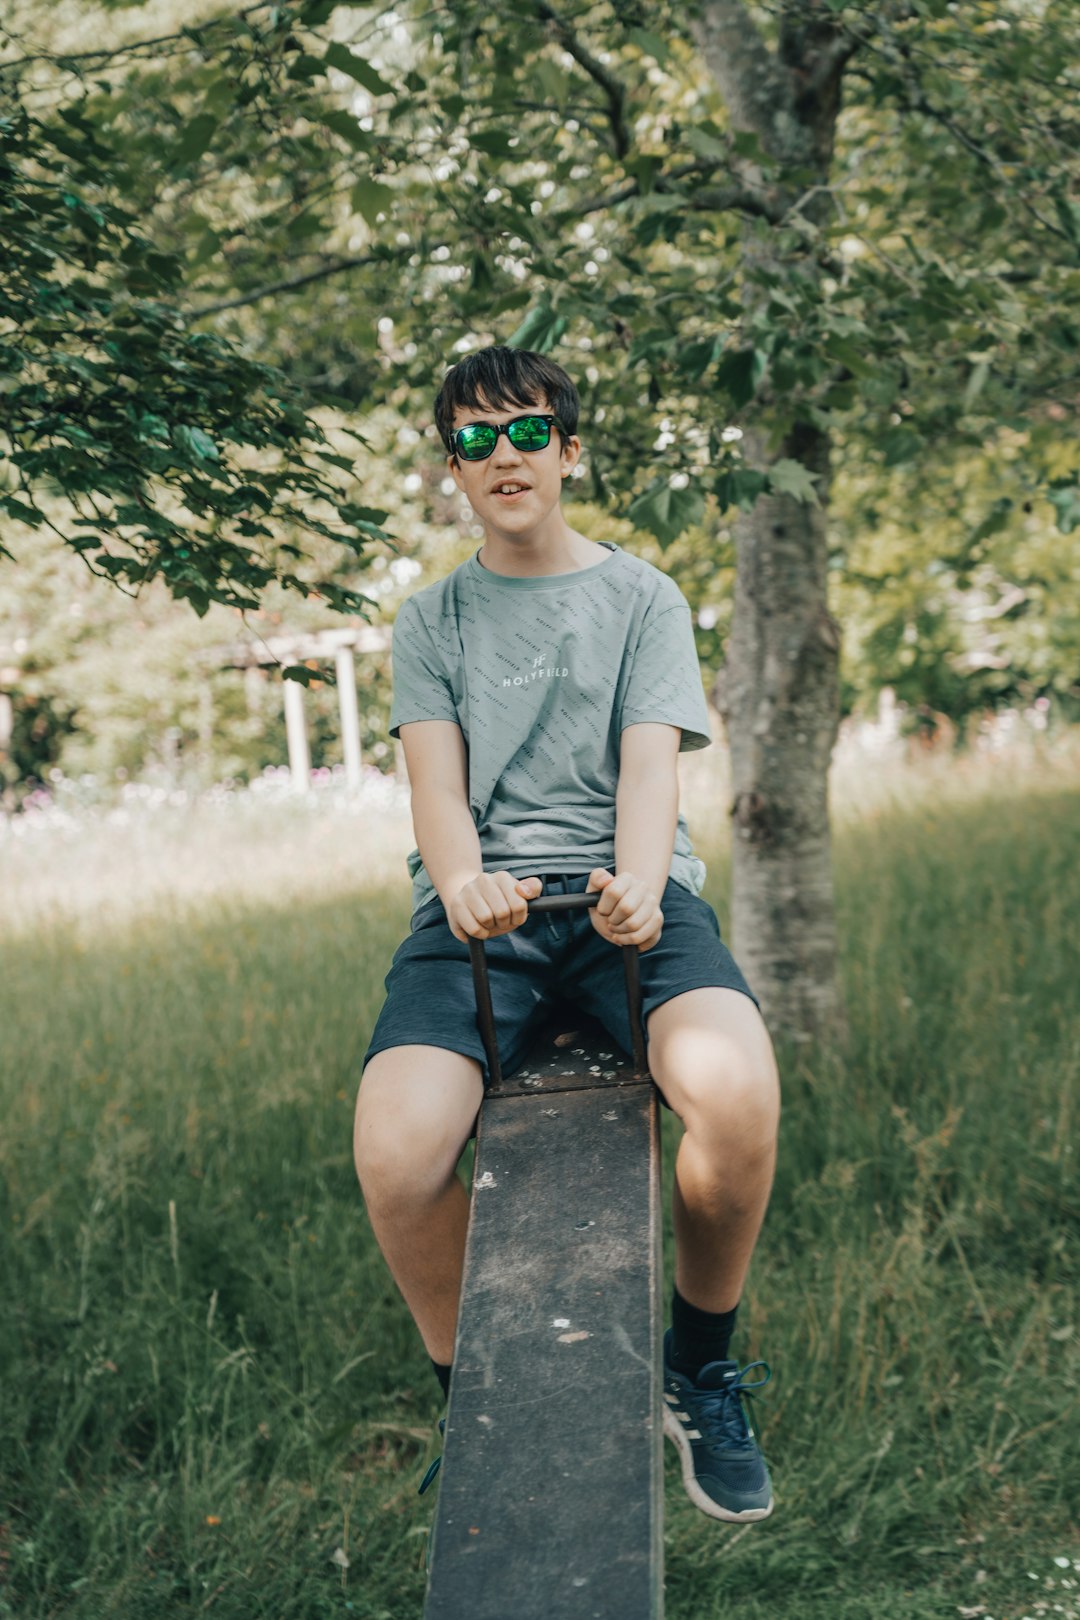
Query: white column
{"points": [[296, 733], [350, 718]]}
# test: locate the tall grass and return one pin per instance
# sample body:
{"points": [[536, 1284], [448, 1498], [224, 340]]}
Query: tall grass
{"points": [[212, 1398]]}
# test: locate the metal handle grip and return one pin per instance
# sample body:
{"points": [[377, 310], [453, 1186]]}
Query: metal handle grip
{"points": [[486, 1016]]}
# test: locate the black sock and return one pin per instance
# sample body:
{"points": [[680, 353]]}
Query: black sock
{"points": [[698, 1337], [442, 1374]]}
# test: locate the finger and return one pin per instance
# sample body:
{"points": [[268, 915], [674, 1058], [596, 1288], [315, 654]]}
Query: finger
{"points": [[645, 924], [615, 897], [636, 904]]}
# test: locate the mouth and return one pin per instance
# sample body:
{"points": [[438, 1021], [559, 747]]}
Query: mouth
{"points": [[510, 490]]}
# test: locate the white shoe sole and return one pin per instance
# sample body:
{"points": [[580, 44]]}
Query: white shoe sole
{"points": [[674, 1431]]}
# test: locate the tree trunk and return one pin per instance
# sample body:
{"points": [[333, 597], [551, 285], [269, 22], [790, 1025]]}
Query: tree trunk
{"points": [[779, 689], [778, 695]]}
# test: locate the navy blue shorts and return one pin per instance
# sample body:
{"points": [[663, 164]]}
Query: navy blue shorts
{"points": [[431, 998]]}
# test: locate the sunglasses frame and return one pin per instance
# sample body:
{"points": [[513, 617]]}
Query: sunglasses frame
{"points": [[504, 427]]}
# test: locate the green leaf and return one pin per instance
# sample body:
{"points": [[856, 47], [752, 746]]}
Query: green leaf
{"points": [[305, 67], [1064, 497], [196, 442], [205, 247], [694, 359], [900, 444], [340, 57], [739, 373], [197, 135], [346, 125], [370, 198], [787, 477], [540, 330], [1068, 212], [296, 672], [18, 509], [665, 511], [975, 383], [706, 146], [648, 43], [740, 487], [496, 142], [644, 166], [747, 144]]}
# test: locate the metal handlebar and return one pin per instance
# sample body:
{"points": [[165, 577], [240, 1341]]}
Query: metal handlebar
{"points": [[486, 1016]]}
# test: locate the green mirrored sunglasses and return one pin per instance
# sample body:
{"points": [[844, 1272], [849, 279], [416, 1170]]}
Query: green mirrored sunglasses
{"points": [[476, 440]]}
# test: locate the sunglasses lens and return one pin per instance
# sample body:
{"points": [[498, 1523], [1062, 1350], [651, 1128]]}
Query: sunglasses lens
{"points": [[476, 441], [529, 433]]}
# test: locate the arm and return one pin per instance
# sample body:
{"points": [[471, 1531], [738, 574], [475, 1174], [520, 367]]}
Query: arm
{"points": [[646, 815], [647, 803], [445, 832]]}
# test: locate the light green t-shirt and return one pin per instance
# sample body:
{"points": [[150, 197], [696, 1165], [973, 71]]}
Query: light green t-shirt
{"points": [[542, 675]]}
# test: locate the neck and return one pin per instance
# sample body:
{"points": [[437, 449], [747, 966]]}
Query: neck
{"points": [[558, 550]]}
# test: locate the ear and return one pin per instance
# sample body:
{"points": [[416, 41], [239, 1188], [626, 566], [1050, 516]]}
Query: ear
{"points": [[571, 455]]}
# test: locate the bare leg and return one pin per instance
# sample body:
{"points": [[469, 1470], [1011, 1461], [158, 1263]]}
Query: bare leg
{"points": [[415, 1110], [423, 1243]]}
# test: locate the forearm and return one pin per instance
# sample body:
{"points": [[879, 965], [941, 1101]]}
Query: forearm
{"points": [[646, 816], [447, 839]]}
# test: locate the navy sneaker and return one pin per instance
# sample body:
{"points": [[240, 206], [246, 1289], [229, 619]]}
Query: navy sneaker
{"points": [[723, 1469]]}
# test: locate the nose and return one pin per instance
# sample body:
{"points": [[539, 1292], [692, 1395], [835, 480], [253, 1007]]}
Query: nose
{"points": [[504, 453]]}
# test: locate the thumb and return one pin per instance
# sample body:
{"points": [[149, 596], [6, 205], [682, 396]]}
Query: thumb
{"points": [[533, 885]]}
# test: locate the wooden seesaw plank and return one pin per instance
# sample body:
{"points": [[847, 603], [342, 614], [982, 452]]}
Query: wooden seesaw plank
{"points": [[551, 1490], [550, 1495]]}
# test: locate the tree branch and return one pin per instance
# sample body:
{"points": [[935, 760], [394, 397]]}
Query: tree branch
{"points": [[290, 283], [737, 194], [612, 87], [106, 55], [917, 100]]}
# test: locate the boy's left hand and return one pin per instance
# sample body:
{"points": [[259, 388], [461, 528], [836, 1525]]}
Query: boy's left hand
{"points": [[627, 913]]}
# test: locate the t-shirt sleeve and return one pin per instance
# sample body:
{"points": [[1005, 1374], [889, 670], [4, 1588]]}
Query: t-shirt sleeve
{"points": [[422, 689], [665, 679]]}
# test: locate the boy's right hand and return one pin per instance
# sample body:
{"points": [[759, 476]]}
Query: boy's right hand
{"points": [[491, 904]]}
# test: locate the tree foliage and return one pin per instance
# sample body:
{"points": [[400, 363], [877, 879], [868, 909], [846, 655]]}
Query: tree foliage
{"points": [[228, 241], [179, 456]]}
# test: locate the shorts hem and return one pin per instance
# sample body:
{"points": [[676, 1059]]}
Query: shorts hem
{"points": [[709, 983], [444, 1046]]}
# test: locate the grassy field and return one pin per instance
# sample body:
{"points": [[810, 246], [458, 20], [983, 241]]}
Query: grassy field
{"points": [[212, 1398]]}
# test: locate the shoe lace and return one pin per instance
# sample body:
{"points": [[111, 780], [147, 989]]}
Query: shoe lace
{"points": [[719, 1413], [434, 1469]]}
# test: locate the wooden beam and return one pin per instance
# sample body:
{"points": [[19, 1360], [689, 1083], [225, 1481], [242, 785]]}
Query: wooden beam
{"points": [[349, 714], [296, 735], [551, 1492], [299, 647]]}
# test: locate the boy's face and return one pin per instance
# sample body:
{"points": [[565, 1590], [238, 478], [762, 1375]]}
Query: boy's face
{"points": [[537, 473]]}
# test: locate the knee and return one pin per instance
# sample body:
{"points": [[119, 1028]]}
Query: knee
{"points": [[401, 1158], [736, 1099]]}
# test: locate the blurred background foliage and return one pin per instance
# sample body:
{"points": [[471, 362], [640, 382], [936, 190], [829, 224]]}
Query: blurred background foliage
{"points": [[349, 198]]}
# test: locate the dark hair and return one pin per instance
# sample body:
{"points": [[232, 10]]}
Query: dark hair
{"points": [[497, 377]]}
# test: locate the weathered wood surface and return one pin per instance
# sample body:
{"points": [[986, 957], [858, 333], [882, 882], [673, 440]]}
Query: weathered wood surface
{"points": [[550, 1494]]}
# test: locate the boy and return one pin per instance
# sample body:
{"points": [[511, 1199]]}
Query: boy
{"points": [[542, 693]]}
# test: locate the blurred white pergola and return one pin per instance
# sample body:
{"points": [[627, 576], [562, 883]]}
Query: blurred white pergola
{"points": [[341, 645]]}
